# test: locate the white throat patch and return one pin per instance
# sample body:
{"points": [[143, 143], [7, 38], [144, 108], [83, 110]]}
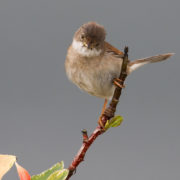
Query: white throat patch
{"points": [[78, 46]]}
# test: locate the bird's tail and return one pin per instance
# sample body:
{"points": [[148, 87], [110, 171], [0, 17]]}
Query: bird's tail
{"points": [[140, 62]]}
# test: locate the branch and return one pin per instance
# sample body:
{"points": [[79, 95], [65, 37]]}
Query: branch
{"points": [[108, 114]]}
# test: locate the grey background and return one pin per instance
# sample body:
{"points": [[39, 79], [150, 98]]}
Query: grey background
{"points": [[42, 113]]}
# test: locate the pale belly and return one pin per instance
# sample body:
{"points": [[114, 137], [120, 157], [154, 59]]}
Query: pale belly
{"points": [[95, 80], [99, 84]]}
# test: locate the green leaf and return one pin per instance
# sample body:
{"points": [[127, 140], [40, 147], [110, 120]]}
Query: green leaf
{"points": [[107, 126], [114, 122], [59, 175], [44, 175]]}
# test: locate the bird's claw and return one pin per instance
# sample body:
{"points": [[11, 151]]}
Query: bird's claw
{"points": [[101, 124], [118, 82]]}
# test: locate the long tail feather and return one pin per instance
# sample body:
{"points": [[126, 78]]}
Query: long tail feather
{"points": [[140, 62]]}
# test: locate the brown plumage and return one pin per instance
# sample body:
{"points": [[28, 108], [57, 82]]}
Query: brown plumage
{"points": [[93, 64]]}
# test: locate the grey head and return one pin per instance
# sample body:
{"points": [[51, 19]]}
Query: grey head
{"points": [[91, 35]]}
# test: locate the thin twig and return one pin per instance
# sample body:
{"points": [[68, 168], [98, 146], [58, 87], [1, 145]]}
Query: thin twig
{"points": [[109, 113]]}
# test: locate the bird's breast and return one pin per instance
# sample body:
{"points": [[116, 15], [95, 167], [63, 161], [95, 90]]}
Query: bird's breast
{"points": [[94, 76]]}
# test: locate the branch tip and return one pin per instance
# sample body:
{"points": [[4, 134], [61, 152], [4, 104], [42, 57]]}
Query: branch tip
{"points": [[126, 49], [85, 135]]}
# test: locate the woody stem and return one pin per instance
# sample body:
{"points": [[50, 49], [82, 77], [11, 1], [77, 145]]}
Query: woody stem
{"points": [[108, 114]]}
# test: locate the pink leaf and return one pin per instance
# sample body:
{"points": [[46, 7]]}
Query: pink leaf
{"points": [[23, 173]]}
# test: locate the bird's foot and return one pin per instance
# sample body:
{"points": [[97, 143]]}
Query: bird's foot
{"points": [[100, 122], [118, 82], [107, 114]]}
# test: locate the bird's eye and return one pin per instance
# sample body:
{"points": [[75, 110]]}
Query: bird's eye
{"points": [[82, 37]]}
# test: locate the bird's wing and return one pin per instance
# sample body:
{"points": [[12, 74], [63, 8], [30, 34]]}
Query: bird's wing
{"points": [[114, 51]]}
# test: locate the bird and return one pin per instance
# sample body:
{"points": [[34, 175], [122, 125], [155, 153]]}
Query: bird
{"points": [[94, 65]]}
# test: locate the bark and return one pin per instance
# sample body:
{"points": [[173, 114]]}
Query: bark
{"points": [[108, 114]]}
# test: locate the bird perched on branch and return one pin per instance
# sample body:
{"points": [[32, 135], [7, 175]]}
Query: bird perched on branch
{"points": [[94, 65]]}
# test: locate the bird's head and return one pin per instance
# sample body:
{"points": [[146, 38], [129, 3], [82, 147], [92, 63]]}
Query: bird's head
{"points": [[89, 39]]}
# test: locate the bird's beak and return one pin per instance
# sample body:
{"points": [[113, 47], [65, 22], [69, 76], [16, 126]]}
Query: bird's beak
{"points": [[88, 44]]}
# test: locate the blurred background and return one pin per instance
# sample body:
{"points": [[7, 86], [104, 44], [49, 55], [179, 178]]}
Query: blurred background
{"points": [[42, 113]]}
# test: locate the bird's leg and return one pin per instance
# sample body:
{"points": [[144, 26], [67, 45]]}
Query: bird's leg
{"points": [[102, 112], [117, 82]]}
